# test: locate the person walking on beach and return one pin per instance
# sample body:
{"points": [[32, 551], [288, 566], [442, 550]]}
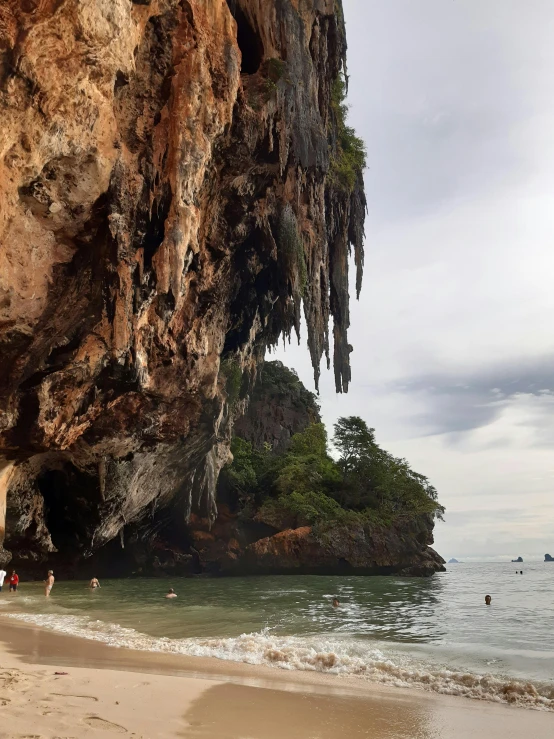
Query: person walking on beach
{"points": [[49, 583], [14, 581], [93, 584], [3, 574]]}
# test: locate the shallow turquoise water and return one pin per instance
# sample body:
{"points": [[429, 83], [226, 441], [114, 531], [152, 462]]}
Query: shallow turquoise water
{"points": [[433, 633]]}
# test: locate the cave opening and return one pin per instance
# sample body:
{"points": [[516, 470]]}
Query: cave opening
{"points": [[250, 44], [71, 501], [160, 543]]}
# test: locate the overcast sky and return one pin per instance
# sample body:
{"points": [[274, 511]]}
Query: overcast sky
{"points": [[453, 336]]}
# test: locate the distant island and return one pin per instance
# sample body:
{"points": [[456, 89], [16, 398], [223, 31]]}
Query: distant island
{"points": [[519, 559], [548, 558], [453, 561]]}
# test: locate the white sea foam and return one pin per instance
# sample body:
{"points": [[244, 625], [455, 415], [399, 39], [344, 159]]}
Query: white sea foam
{"points": [[322, 653]]}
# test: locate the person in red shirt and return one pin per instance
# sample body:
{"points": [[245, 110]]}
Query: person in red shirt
{"points": [[14, 581]]}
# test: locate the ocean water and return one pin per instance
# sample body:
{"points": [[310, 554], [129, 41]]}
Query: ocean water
{"points": [[434, 634]]}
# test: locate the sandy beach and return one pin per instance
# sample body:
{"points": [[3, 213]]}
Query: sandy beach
{"points": [[112, 692]]}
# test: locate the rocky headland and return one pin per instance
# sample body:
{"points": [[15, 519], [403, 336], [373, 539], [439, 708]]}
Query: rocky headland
{"points": [[249, 537]]}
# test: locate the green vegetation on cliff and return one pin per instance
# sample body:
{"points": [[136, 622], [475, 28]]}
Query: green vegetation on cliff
{"points": [[306, 486], [348, 158]]}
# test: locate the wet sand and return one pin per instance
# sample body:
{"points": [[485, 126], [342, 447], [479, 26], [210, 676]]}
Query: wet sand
{"points": [[113, 692]]}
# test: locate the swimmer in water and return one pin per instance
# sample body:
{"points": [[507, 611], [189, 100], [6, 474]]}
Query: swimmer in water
{"points": [[488, 599], [171, 593], [49, 583], [93, 584], [336, 602]]}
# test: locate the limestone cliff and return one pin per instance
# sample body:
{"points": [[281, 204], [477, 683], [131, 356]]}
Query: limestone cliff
{"points": [[279, 407], [168, 204], [402, 549]]}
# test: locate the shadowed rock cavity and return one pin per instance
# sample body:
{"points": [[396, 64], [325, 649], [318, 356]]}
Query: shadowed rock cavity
{"points": [[249, 42], [167, 210]]}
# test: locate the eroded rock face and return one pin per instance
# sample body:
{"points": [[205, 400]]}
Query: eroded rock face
{"points": [[279, 407], [401, 549], [236, 546], [166, 205]]}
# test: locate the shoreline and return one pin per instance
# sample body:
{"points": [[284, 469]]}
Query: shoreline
{"points": [[277, 656], [117, 690]]}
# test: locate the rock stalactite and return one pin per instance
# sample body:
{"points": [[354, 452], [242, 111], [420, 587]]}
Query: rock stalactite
{"points": [[167, 208]]}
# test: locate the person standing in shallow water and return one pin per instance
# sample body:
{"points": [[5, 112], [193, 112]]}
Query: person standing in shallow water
{"points": [[49, 583], [93, 584], [488, 599], [171, 593], [14, 581]]}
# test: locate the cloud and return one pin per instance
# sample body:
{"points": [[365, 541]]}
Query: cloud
{"points": [[460, 402], [437, 102]]}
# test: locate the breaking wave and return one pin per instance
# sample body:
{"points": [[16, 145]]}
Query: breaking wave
{"points": [[322, 653]]}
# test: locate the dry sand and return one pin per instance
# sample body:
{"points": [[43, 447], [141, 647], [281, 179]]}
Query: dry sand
{"points": [[120, 692]]}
